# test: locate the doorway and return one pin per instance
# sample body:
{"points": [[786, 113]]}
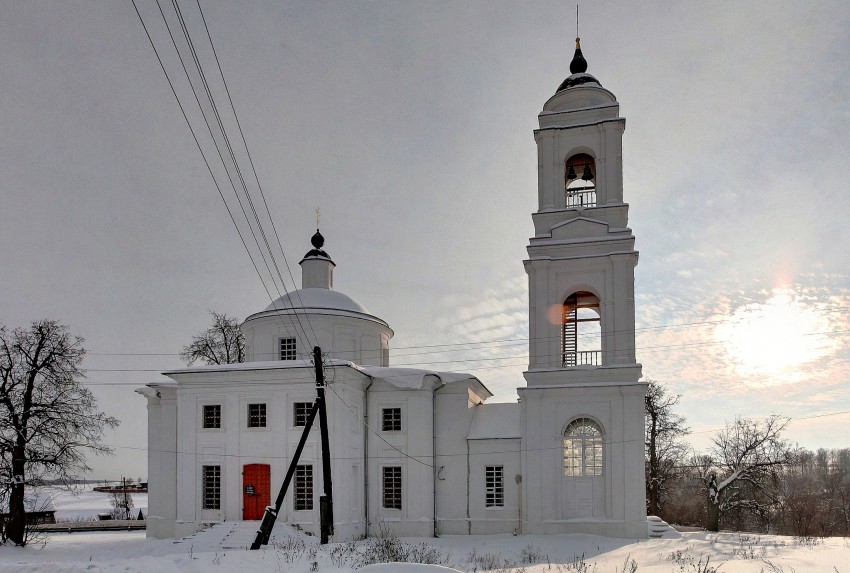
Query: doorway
{"points": [[256, 490]]}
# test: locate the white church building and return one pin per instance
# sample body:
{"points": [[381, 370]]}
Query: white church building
{"points": [[420, 452]]}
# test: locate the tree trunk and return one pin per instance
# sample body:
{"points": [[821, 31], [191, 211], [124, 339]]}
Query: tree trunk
{"points": [[653, 478], [16, 526], [712, 519]]}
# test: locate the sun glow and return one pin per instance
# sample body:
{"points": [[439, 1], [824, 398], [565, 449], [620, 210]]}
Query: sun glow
{"points": [[776, 337]]}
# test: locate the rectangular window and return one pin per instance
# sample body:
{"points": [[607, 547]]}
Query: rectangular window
{"points": [[212, 487], [494, 486], [256, 415], [212, 416], [391, 420], [303, 488], [392, 487], [301, 411], [287, 348]]}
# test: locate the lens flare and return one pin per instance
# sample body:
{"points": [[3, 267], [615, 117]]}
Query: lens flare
{"points": [[775, 338]]}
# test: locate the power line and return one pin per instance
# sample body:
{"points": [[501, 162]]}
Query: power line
{"points": [[232, 155], [450, 454], [198, 144], [253, 169]]}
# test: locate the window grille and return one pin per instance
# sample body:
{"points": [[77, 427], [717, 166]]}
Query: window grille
{"points": [[392, 487], [494, 486], [287, 349], [212, 416], [211, 476], [301, 412], [584, 448], [391, 420], [303, 488], [256, 415]]}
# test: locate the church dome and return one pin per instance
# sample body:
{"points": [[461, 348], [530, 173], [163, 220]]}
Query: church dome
{"points": [[318, 299], [317, 315], [578, 71]]}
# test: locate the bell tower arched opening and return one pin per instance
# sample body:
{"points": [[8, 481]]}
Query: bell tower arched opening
{"points": [[581, 339], [580, 181]]}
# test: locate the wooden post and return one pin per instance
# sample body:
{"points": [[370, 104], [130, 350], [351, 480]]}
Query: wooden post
{"points": [[326, 504], [270, 516]]}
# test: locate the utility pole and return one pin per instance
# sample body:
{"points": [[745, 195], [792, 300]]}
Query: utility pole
{"points": [[326, 512], [326, 504]]}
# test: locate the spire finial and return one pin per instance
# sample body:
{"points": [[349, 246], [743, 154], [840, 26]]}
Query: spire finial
{"points": [[318, 217], [576, 21], [579, 64]]}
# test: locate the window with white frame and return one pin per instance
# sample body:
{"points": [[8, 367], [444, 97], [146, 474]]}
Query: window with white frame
{"points": [[212, 416], [494, 486], [391, 419], [584, 448], [303, 488], [256, 415], [392, 487], [287, 348], [211, 476], [301, 412]]}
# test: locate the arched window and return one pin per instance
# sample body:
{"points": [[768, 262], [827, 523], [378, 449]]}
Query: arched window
{"points": [[580, 181], [584, 448], [580, 330]]}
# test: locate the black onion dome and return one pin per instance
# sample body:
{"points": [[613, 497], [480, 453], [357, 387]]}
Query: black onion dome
{"points": [[317, 240], [578, 69], [579, 64]]}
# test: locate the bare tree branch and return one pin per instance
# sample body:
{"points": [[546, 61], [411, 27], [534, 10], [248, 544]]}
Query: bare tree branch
{"points": [[222, 343], [48, 420]]}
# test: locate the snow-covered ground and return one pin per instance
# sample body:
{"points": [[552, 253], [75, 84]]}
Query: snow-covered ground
{"points": [[81, 503], [222, 548], [84, 504]]}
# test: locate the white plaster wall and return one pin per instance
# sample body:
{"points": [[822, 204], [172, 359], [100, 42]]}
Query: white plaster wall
{"points": [[454, 419], [415, 518], [494, 452], [546, 411], [162, 461], [235, 445], [342, 337]]}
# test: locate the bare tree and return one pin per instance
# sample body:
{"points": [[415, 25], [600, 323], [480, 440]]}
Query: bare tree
{"points": [[122, 503], [48, 420], [746, 456], [221, 343], [664, 448]]}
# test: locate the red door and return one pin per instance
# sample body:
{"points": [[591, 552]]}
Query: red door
{"points": [[256, 490]]}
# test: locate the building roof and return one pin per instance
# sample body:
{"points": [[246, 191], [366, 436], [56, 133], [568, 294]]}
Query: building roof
{"points": [[495, 421], [317, 298], [403, 378]]}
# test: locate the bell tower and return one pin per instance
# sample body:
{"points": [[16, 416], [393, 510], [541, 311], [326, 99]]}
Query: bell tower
{"points": [[583, 388]]}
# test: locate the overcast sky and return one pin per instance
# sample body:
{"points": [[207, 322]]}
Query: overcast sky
{"points": [[410, 124]]}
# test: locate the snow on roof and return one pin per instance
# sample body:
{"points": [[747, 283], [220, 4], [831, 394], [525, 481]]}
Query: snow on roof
{"points": [[495, 421], [404, 378], [411, 378], [259, 365], [317, 298]]}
